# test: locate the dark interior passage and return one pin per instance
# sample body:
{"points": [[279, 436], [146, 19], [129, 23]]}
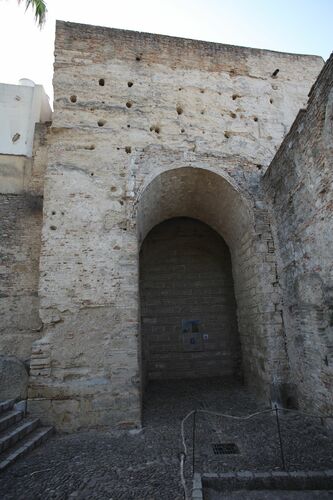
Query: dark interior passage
{"points": [[188, 308]]}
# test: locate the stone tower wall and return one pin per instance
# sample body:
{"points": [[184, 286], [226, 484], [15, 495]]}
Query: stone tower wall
{"points": [[129, 108], [299, 187]]}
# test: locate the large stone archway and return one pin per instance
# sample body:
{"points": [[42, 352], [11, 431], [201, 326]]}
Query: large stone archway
{"points": [[216, 201], [86, 369]]}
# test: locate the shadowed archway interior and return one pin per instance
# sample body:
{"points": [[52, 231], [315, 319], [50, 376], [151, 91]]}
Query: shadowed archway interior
{"points": [[188, 308]]}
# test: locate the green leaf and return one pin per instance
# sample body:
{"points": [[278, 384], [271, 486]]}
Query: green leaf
{"points": [[39, 7]]}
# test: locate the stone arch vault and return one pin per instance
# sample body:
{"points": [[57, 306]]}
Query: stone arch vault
{"points": [[211, 198]]}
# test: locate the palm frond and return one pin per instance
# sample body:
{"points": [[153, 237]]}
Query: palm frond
{"points": [[39, 7]]}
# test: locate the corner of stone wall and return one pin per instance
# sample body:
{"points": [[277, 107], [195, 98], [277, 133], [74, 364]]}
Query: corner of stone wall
{"points": [[298, 190]]}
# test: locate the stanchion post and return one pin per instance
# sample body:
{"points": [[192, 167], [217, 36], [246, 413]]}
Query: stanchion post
{"points": [[280, 437], [193, 441]]}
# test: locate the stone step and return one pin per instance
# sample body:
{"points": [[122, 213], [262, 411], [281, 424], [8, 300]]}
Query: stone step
{"points": [[14, 433], [276, 480], [9, 418], [6, 405], [28, 443]]}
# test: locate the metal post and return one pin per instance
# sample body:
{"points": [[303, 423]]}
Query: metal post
{"points": [[193, 441], [280, 438]]}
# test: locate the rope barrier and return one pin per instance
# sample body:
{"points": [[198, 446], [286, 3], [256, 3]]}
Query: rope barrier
{"points": [[183, 454]]}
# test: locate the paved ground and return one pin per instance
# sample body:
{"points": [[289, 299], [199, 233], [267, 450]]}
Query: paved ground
{"points": [[145, 465]]}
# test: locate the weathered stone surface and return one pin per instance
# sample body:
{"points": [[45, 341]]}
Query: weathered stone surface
{"points": [[12, 173], [299, 187], [21, 203], [19, 246], [13, 378]]}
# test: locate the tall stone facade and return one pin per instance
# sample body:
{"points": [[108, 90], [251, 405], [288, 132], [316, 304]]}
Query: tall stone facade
{"points": [[299, 184], [162, 145], [24, 123]]}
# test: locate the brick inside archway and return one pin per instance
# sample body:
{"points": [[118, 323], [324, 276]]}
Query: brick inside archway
{"points": [[188, 308]]}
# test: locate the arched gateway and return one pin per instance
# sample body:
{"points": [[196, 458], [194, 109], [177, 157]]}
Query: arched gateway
{"points": [[88, 369], [188, 219]]}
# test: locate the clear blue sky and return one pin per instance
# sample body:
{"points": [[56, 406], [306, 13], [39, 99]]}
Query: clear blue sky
{"points": [[299, 26]]}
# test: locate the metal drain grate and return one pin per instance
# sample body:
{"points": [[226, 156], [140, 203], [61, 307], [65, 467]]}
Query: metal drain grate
{"points": [[225, 449]]}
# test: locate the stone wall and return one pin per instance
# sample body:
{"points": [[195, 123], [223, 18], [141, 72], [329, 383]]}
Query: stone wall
{"points": [[20, 245], [298, 184], [146, 128], [186, 275], [21, 204]]}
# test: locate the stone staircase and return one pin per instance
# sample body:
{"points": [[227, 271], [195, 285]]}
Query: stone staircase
{"points": [[18, 433]]}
